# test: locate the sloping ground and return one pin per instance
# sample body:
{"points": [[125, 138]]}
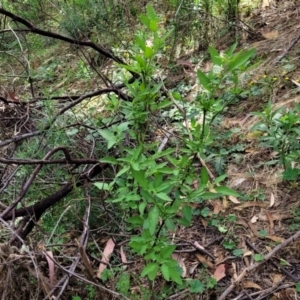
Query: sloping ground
{"points": [[228, 236], [267, 214]]}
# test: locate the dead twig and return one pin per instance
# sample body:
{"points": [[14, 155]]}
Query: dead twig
{"points": [[256, 265]]}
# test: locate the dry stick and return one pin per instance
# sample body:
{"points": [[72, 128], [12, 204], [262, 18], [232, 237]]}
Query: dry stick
{"points": [[32, 177], [71, 272], [285, 52], [275, 264], [256, 265]]}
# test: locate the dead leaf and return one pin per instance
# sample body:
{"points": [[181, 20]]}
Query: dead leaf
{"points": [[193, 267], [13, 96], [275, 217], [233, 200], [219, 272], [295, 82], [204, 261], [272, 200], [109, 248], [275, 238], [196, 184], [270, 219], [217, 207], [254, 219], [203, 222], [198, 246], [269, 35], [253, 203], [237, 182], [248, 253], [123, 256], [185, 63], [277, 278], [253, 229], [49, 257], [252, 285]]}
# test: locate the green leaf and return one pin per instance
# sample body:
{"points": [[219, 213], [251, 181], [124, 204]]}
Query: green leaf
{"points": [[226, 191], [136, 166], [205, 212], [167, 251], [72, 131], [229, 245], [141, 61], [240, 60], [153, 219], [220, 178], [196, 286], [170, 224], [163, 196], [151, 270], [139, 177], [230, 51], [145, 20], [147, 196], [175, 276], [148, 52], [122, 171], [129, 68], [238, 252], [142, 207], [109, 136], [183, 222], [165, 271], [209, 195], [258, 257], [204, 80], [109, 159], [214, 55], [102, 186], [298, 287], [151, 13], [132, 197], [187, 213], [153, 26], [164, 104], [139, 41], [204, 176], [136, 220]]}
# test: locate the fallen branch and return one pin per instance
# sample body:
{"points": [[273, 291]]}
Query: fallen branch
{"points": [[256, 265]]}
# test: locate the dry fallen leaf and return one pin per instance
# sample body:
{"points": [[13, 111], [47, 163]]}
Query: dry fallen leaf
{"points": [[198, 246], [272, 200], [193, 267], [277, 278], [253, 203], [233, 200], [109, 248], [219, 272], [252, 285], [123, 256], [204, 261], [275, 238], [13, 97], [248, 253], [254, 219], [49, 257], [237, 182], [270, 35], [270, 219]]}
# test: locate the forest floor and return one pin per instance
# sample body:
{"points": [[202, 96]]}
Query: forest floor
{"points": [[272, 216]]}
